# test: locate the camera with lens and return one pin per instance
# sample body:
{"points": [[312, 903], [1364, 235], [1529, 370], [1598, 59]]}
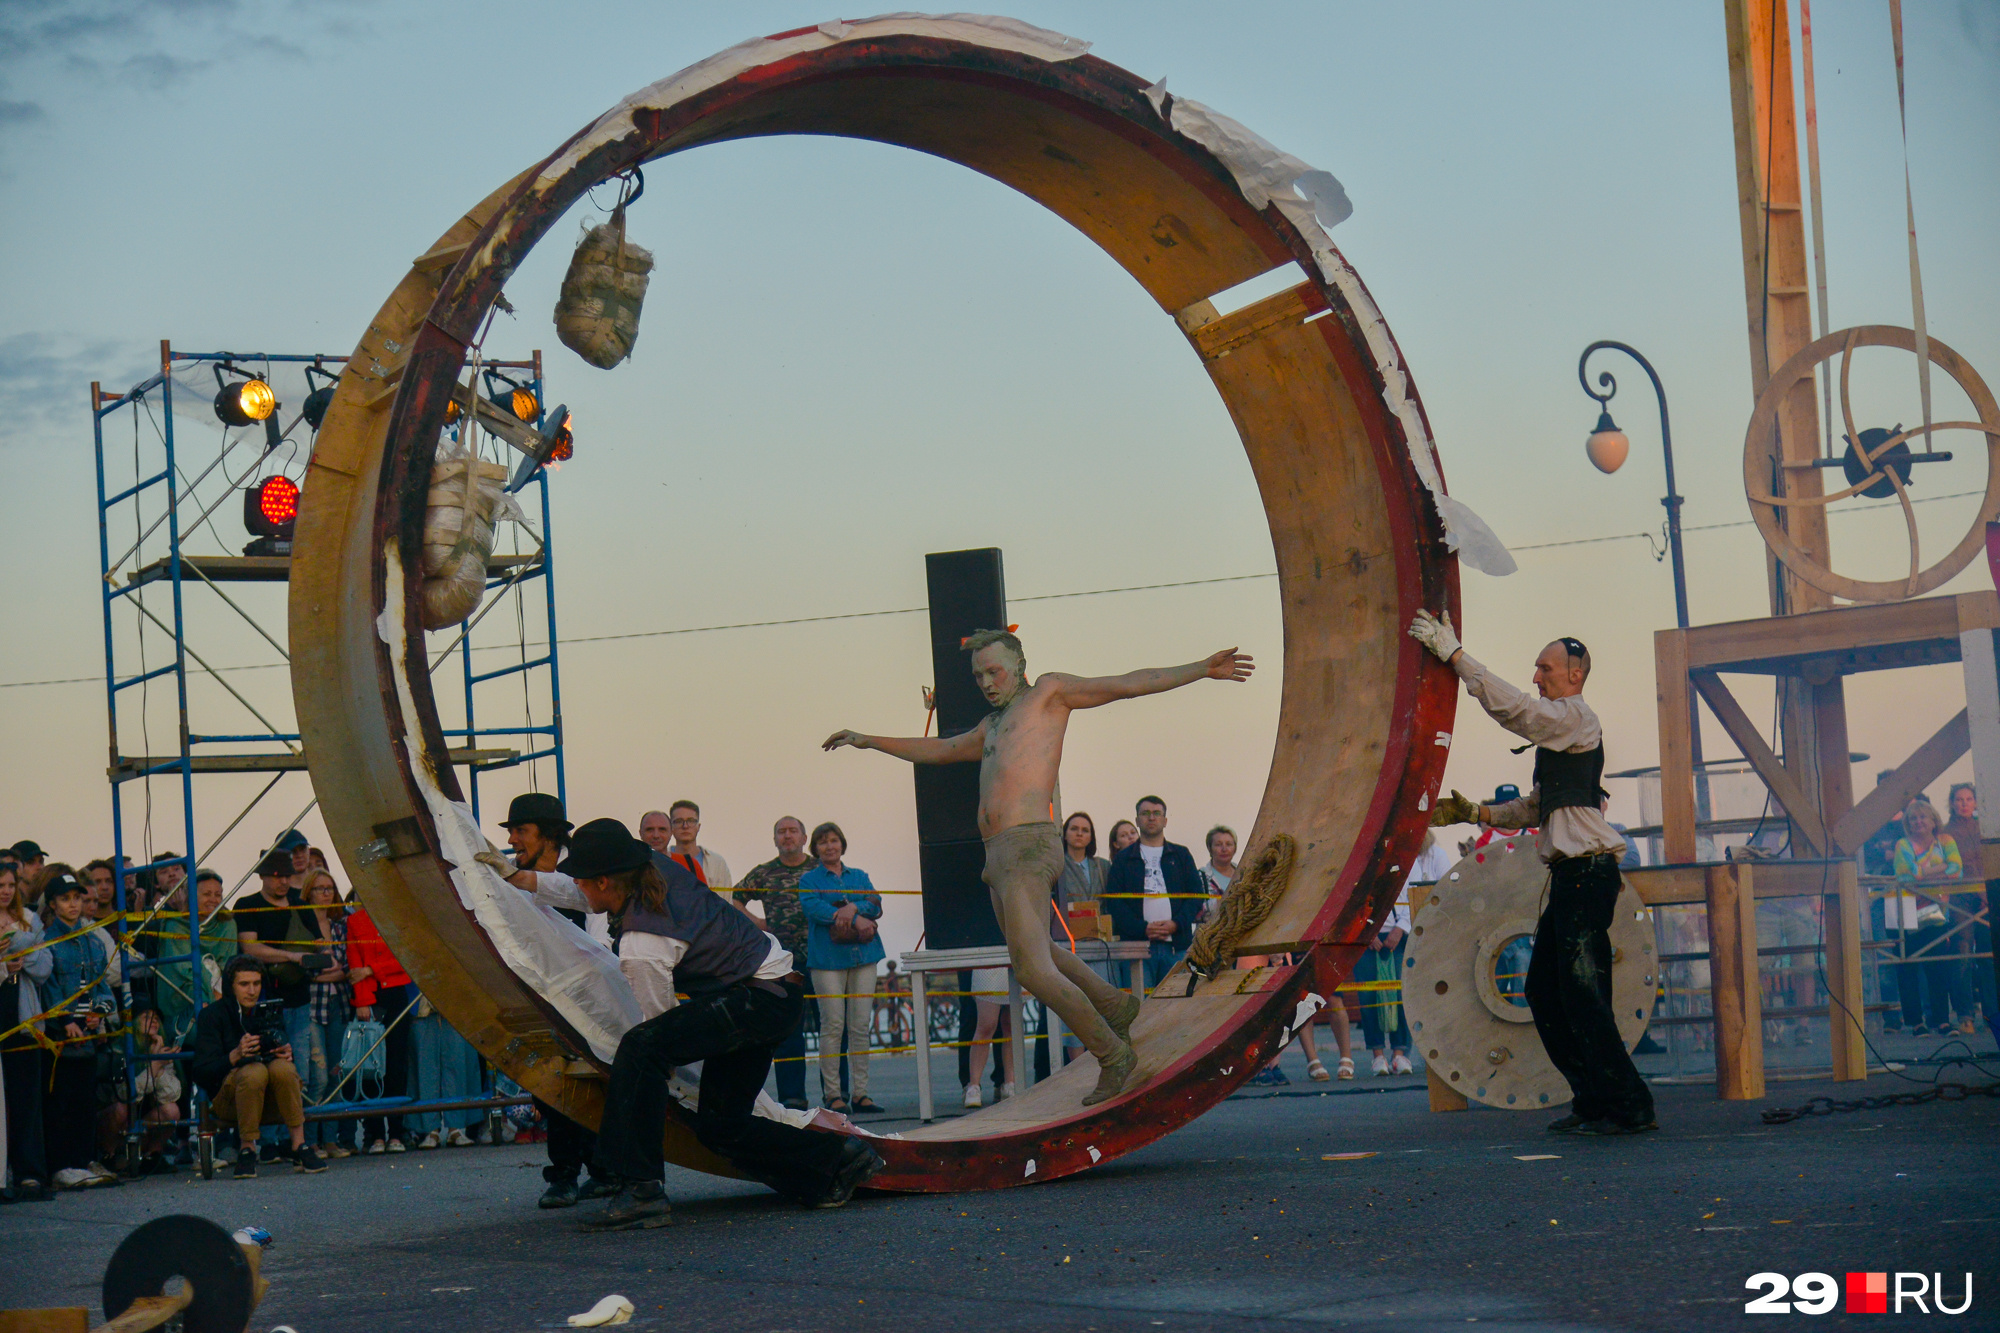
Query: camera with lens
{"points": [[267, 1025]]}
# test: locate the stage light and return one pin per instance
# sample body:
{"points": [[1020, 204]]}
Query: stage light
{"points": [[316, 404], [244, 402], [452, 412], [270, 509], [524, 404]]}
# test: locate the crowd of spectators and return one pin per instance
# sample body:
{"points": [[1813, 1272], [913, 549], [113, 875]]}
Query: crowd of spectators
{"points": [[297, 1003]]}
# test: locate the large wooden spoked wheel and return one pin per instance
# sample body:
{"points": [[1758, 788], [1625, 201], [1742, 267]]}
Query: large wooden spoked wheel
{"points": [[1317, 389], [1761, 459]]}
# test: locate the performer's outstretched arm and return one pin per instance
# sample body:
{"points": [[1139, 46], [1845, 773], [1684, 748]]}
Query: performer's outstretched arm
{"points": [[1093, 691], [960, 749]]}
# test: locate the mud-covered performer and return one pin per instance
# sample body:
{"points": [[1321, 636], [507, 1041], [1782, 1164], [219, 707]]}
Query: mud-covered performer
{"points": [[744, 994], [1019, 749], [1569, 973]]}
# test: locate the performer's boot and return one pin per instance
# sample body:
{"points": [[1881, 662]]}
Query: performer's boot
{"points": [[1121, 1015], [1112, 1072]]}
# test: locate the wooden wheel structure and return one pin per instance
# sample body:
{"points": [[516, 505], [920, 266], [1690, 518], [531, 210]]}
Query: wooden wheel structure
{"points": [[1190, 204], [1880, 464]]}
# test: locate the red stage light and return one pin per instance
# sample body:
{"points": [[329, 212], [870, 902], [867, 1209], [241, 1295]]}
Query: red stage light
{"points": [[278, 500]]}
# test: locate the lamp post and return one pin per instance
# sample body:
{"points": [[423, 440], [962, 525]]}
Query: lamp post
{"points": [[1607, 448]]}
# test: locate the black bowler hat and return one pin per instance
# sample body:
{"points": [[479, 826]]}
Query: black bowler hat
{"points": [[539, 808], [603, 847]]}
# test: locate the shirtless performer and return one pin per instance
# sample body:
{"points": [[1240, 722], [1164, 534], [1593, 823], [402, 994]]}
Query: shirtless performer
{"points": [[1019, 748]]}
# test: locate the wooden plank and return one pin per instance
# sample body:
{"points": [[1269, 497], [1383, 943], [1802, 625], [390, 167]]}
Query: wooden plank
{"points": [[1675, 885], [55, 1319], [1730, 645], [1774, 270], [149, 1312], [1670, 682], [1981, 668], [1836, 768], [1443, 1096], [1217, 336], [1978, 610], [1744, 732], [1842, 913], [1917, 772], [1734, 992], [129, 766], [440, 257]]}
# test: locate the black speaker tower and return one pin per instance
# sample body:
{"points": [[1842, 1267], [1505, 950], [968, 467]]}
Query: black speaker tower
{"points": [[968, 592]]}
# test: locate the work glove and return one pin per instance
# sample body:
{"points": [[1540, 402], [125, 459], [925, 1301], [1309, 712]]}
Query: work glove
{"points": [[1434, 633], [497, 860], [1454, 809]]}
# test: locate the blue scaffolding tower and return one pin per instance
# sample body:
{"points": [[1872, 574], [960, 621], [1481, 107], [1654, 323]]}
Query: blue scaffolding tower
{"points": [[157, 558]]}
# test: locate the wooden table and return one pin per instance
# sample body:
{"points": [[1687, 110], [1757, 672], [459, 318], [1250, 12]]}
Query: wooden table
{"points": [[916, 964]]}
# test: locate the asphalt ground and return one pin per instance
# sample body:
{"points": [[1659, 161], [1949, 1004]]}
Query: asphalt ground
{"points": [[1237, 1221]]}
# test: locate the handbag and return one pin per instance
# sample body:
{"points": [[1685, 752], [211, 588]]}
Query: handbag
{"points": [[850, 927], [366, 1056]]}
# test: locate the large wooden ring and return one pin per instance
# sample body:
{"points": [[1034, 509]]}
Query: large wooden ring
{"points": [[1320, 397]]}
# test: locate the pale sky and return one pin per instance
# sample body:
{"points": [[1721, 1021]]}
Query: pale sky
{"points": [[852, 355]]}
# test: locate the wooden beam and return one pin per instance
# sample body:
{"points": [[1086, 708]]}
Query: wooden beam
{"points": [[1836, 769], [1670, 683], [1759, 40], [1682, 885], [1917, 772], [1743, 731], [1734, 993], [1444, 1097], [1216, 336], [1842, 912], [1793, 640]]}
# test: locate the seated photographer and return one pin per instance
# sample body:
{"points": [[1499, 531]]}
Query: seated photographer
{"points": [[243, 1062], [744, 998]]}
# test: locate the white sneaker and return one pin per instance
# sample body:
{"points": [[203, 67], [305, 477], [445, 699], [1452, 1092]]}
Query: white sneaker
{"points": [[973, 1101], [74, 1178], [374, 1147], [429, 1140], [1380, 1065], [397, 1145], [101, 1171], [1006, 1091], [508, 1131], [1401, 1064], [458, 1138]]}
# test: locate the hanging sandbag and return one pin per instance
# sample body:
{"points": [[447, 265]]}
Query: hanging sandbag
{"points": [[597, 315], [459, 514]]}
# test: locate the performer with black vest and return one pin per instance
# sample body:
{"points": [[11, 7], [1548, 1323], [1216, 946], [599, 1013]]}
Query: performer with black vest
{"points": [[1569, 974], [744, 994]]}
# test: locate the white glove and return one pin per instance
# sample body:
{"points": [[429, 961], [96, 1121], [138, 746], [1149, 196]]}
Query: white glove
{"points": [[1434, 633], [498, 861]]}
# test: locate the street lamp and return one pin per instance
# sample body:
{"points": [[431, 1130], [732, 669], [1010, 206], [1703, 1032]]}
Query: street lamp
{"points": [[1607, 448]]}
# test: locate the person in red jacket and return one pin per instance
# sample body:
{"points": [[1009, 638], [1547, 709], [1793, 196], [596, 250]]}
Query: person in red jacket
{"points": [[382, 991]]}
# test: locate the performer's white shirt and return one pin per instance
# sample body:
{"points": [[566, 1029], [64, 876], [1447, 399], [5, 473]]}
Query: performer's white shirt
{"points": [[1157, 906], [1566, 725], [648, 960]]}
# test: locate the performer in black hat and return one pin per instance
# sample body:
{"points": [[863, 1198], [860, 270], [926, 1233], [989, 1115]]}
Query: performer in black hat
{"points": [[744, 997], [1569, 973], [538, 834]]}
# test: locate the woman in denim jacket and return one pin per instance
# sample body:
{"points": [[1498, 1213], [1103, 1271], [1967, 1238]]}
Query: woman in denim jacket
{"points": [[843, 974]]}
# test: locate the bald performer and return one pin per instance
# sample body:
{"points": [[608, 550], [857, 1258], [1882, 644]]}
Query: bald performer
{"points": [[1569, 973]]}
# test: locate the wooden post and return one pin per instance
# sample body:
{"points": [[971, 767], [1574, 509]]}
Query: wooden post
{"points": [[1777, 304], [1734, 993], [1670, 682], [1842, 915], [1443, 1096]]}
